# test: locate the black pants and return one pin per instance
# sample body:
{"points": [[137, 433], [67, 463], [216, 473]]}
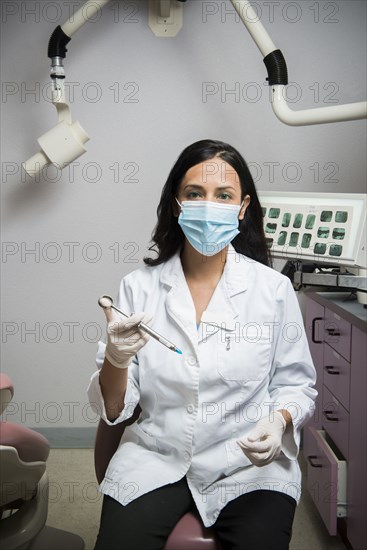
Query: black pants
{"points": [[260, 520]]}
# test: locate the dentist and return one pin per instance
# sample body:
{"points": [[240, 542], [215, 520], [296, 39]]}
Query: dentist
{"points": [[219, 428]]}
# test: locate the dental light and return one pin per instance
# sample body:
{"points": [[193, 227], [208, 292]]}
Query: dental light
{"points": [[66, 141]]}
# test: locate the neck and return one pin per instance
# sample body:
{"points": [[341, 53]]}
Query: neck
{"points": [[198, 267]]}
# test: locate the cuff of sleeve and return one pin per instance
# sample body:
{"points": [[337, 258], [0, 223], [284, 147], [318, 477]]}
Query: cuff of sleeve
{"points": [[97, 402], [290, 442]]}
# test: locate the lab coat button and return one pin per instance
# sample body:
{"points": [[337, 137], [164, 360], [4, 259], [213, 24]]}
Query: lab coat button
{"points": [[191, 360], [187, 455], [190, 409]]}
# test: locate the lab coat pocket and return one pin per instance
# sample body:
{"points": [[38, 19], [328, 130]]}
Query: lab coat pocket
{"points": [[244, 355], [236, 458]]}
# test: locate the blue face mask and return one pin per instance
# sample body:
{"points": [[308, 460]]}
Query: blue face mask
{"points": [[209, 226]]}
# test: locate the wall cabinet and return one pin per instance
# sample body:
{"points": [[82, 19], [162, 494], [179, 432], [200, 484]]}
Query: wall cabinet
{"points": [[335, 439]]}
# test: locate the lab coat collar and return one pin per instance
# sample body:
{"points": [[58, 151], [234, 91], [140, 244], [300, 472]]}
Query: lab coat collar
{"points": [[179, 301], [235, 273]]}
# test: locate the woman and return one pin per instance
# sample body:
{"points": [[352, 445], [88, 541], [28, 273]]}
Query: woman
{"points": [[220, 424]]}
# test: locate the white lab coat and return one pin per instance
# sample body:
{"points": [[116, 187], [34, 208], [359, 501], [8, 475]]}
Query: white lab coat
{"points": [[196, 405]]}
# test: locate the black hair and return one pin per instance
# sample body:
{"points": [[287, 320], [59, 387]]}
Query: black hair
{"points": [[168, 237]]}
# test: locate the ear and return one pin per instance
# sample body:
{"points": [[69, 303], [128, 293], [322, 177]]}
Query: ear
{"points": [[176, 209], [246, 202]]}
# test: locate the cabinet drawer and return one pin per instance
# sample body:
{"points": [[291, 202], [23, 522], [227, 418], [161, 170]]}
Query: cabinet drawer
{"points": [[326, 481], [337, 333], [337, 375], [335, 421]]}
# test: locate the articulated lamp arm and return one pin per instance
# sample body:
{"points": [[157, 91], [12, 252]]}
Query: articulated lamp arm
{"points": [[278, 79], [65, 142]]}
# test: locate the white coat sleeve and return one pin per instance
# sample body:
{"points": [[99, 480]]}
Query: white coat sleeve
{"points": [[132, 395], [293, 374]]}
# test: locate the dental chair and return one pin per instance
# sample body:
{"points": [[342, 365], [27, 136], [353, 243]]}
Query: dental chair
{"points": [[189, 533], [24, 487]]}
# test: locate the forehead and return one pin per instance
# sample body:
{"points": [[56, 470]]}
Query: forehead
{"points": [[215, 171]]}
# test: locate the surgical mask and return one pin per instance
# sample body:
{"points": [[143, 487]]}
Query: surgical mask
{"points": [[209, 226]]}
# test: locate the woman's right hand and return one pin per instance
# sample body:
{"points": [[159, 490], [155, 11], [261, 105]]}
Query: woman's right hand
{"points": [[124, 339]]}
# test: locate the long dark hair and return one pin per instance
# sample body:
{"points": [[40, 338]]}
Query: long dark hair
{"points": [[168, 237]]}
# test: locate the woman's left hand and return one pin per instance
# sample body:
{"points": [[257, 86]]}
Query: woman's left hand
{"points": [[264, 442]]}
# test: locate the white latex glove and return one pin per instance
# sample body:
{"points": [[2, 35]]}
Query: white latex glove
{"points": [[263, 443], [124, 339]]}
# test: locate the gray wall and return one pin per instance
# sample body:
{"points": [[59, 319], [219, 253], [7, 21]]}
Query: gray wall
{"points": [[142, 99]]}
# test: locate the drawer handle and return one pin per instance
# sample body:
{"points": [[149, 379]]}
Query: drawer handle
{"points": [[328, 416], [333, 332], [314, 321], [312, 463], [331, 370]]}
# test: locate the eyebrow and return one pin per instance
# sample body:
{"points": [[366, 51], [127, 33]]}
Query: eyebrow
{"points": [[197, 186]]}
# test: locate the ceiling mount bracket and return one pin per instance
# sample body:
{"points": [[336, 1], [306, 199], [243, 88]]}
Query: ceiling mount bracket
{"points": [[165, 17]]}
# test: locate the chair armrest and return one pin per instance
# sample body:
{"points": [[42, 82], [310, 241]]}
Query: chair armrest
{"points": [[30, 445]]}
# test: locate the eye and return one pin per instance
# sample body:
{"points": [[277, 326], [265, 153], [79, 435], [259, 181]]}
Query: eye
{"points": [[193, 195], [224, 196]]}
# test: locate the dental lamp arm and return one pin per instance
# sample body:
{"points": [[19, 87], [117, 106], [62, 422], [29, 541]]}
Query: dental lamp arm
{"points": [[278, 79], [65, 142], [57, 51]]}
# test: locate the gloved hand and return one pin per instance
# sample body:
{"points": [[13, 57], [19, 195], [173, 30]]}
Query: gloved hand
{"points": [[263, 443], [124, 339]]}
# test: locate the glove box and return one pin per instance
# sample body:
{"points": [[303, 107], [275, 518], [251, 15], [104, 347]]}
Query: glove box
{"points": [[326, 480]]}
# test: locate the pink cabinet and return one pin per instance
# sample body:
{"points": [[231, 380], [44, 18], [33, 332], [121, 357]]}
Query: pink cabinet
{"points": [[337, 333], [357, 479], [315, 330], [335, 420], [337, 375], [335, 440], [326, 480]]}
